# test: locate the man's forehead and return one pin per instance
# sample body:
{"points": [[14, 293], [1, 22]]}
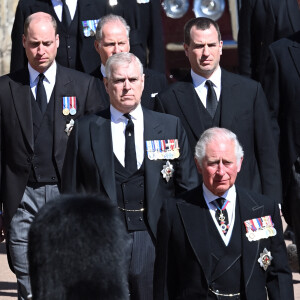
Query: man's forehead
{"points": [[112, 26], [126, 68], [220, 147], [210, 32]]}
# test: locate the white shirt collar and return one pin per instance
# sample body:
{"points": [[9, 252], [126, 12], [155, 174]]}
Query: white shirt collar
{"points": [[117, 116], [102, 69], [50, 74], [57, 5], [215, 78], [209, 197]]}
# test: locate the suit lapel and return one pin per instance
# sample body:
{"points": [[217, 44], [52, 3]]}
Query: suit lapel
{"points": [[64, 86], [194, 217], [295, 53], [249, 209], [228, 100], [152, 130], [293, 12], [103, 152], [188, 101], [21, 95]]}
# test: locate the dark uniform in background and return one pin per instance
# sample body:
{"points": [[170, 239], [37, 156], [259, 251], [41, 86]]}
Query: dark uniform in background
{"points": [[262, 22], [77, 45]]}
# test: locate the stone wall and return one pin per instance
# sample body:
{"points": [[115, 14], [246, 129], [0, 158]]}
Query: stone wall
{"points": [[7, 14]]}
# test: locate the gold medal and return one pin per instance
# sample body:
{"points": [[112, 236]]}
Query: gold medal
{"points": [[66, 111]]}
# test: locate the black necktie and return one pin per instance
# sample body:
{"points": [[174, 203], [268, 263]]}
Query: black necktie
{"points": [[41, 96], [221, 214], [130, 155], [66, 16], [211, 99]]}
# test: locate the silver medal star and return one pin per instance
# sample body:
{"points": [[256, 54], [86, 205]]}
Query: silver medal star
{"points": [[265, 259], [167, 171], [69, 127]]}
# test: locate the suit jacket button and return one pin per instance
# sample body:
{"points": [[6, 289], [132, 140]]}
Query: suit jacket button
{"points": [[140, 218], [53, 178]]}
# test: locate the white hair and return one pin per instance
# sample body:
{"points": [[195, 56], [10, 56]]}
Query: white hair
{"points": [[217, 134]]}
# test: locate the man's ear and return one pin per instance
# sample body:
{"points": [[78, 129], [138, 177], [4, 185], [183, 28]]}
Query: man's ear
{"points": [[199, 168], [186, 47], [240, 164], [105, 81], [97, 46], [23, 40]]}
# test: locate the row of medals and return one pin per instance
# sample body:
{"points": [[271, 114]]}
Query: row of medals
{"points": [[261, 233], [71, 111], [169, 154]]}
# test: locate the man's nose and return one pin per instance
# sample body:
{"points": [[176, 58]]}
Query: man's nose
{"points": [[117, 49], [206, 50], [221, 170], [41, 49], [127, 84]]}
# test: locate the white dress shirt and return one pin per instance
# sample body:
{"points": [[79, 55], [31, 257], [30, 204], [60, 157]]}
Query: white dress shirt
{"points": [[49, 80], [57, 5], [118, 126], [230, 195], [102, 70], [201, 88]]}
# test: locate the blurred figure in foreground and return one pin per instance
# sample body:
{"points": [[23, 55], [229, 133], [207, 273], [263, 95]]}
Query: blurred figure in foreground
{"points": [[76, 250]]}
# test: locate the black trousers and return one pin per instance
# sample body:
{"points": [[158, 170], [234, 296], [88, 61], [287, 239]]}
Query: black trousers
{"points": [[291, 204], [141, 266]]}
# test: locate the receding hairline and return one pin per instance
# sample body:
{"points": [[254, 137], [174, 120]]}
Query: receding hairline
{"points": [[111, 19], [39, 17]]}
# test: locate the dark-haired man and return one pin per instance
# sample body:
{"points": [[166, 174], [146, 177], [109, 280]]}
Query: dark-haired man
{"points": [[210, 96]]}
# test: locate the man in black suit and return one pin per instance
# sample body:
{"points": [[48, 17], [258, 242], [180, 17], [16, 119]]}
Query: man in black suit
{"points": [[220, 241], [77, 21], [134, 155], [281, 85], [112, 36], [38, 107], [211, 96], [262, 22]]}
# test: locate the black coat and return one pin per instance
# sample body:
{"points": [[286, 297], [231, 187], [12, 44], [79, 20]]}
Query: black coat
{"points": [[244, 111], [183, 252], [150, 29], [262, 22], [281, 85], [87, 10], [17, 138], [89, 164]]}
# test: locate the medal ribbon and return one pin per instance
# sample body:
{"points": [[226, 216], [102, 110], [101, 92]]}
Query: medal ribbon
{"points": [[73, 102], [224, 205], [66, 102]]}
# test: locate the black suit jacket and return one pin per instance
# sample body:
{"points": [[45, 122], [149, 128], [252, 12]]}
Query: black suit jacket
{"points": [[89, 164], [87, 10], [262, 22], [281, 85], [154, 83], [16, 139], [244, 110], [150, 30], [183, 255]]}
